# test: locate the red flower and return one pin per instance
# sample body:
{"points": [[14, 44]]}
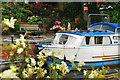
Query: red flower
{"points": [[58, 22], [46, 4], [37, 2]]}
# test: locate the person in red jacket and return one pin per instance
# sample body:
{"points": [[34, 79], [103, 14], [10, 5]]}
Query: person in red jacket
{"points": [[57, 26]]}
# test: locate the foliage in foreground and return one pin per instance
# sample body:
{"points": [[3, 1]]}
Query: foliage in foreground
{"points": [[31, 67]]}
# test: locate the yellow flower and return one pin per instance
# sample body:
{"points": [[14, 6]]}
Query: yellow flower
{"points": [[62, 28], [40, 63], [41, 73], [78, 69], [12, 46], [27, 60], [13, 68], [29, 71], [11, 53], [101, 76], [20, 50], [63, 68]]}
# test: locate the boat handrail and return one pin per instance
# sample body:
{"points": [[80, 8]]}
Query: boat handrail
{"points": [[92, 31]]}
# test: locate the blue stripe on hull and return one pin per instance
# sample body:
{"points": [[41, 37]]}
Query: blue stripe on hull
{"points": [[101, 45], [87, 65]]}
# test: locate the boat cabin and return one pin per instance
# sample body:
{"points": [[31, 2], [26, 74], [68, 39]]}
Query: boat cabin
{"points": [[75, 39], [112, 27]]}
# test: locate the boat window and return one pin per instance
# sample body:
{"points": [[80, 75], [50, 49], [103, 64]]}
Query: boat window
{"points": [[98, 39], [92, 40], [118, 30], [107, 27], [106, 40], [103, 27], [56, 39], [87, 40], [71, 40], [116, 37], [63, 39], [95, 27]]}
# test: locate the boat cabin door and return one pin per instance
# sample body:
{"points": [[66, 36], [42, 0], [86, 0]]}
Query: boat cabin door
{"points": [[68, 45]]}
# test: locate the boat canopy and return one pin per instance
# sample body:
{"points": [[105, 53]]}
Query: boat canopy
{"points": [[114, 27], [87, 33]]}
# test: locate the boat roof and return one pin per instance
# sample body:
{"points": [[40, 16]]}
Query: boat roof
{"points": [[115, 25], [87, 33]]}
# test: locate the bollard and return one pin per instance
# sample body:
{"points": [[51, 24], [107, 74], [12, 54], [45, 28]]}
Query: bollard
{"points": [[12, 37]]}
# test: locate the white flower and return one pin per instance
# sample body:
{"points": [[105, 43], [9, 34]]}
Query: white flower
{"points": [[25, 74], [29, 71], [41, 56], [80, 63], [85, 72], [12, 21], [17, 41], [33, 62], [20, 50], [28, 65], [21, 36], [48, 77], [91, 76], [8, 74], [9, 23], [57, 66], [23, 44]]}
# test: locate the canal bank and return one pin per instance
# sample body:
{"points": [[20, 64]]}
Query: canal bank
{"points": [[42, 38]]}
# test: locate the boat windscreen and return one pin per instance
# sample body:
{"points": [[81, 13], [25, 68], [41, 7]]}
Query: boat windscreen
{"points": [[63, 39], [118, 30]]}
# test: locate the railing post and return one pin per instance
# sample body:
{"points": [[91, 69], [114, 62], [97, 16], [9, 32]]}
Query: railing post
{"points": [[12, 38]]}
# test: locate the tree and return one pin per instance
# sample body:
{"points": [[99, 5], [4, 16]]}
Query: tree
{"points": [[72, 9], [113, 9]]}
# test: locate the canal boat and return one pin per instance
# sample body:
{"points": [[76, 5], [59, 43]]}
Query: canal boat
{"points": [[93, 47]]}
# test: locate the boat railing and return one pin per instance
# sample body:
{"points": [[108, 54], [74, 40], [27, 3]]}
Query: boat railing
{"points": [[81, 31]]}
